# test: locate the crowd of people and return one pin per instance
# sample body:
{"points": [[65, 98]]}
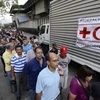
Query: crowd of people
{"points": [[45, 77]]}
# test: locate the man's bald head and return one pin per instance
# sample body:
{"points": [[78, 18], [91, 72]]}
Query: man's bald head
{"points": [[52, 61], [50, 55], [9, 45]]}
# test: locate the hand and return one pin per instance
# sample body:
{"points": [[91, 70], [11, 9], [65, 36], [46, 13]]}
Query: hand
{"points": [[13, 77], [60, 70], [8, 63]]}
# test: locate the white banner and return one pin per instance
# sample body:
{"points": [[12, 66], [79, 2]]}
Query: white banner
{"points": [[88, 33]]}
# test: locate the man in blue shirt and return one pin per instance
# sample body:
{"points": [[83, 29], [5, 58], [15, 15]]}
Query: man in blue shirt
{"points": [[32, 69], [26, 45]]}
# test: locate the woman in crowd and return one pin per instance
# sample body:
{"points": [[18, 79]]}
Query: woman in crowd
{"points": [[79, 86]]}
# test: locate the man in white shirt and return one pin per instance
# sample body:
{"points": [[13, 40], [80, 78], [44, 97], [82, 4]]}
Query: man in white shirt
{"points": [[47, 87]]}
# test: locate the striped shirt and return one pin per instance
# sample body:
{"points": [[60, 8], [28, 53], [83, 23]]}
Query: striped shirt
{"points": [[18, 62]]}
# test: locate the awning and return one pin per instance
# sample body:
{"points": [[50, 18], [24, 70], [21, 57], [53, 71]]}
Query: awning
{"points": [[23, 19]]}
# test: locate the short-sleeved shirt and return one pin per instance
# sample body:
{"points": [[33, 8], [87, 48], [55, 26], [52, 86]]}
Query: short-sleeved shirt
{"points": [[27, 47], [77, 90], [7, 58], [64, 63], [48, 84], [18, 62]]}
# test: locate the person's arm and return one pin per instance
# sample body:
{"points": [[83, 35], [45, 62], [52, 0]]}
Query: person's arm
{"points": [[20, 38], [69, 59], [12, 73], [74, 89], [27, 68], [9, 63], [6, 59], [71, 96], [12, 68], [38, 96], [60, 70]]}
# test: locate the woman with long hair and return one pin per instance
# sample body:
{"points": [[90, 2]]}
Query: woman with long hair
{"points": [[79, 86]]}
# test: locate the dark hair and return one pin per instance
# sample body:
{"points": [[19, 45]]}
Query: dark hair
{"points": [[18, 46], [31, 38], [24, 38], [54, 44], [37, 48], [84, 71], [12, 39], [34, 37], [47, 56], [8, 34]]}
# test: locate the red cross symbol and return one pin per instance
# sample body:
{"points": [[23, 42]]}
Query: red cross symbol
{"points": [[84, 32]]}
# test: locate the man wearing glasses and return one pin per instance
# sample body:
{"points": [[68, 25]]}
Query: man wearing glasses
{"points": [[47, 87]]}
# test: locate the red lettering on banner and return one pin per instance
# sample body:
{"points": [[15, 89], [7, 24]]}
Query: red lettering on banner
{"points": [[84, 32], [94, 33]]}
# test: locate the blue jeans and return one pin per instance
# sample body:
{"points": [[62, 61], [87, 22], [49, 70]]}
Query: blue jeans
{"points": [[9, 77], [32, 94]]}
